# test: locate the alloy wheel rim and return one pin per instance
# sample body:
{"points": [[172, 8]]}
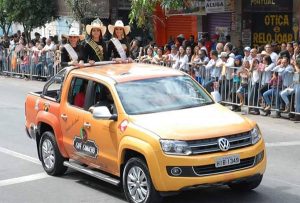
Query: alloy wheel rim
{"points": [[138, 185], [48, 154]]}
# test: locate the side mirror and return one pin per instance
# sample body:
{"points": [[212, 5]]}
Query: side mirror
{"points": [[216, 96], [102, 112]]}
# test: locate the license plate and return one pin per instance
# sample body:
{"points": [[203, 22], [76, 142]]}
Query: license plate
{"points": [[227, 161]]}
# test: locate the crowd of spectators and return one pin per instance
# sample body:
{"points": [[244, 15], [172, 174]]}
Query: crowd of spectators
{"points": [[17, 51], [264, 78]]}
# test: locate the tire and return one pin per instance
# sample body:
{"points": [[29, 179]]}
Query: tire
{"points": [[133, 168], [246, 185], [51, 158]]}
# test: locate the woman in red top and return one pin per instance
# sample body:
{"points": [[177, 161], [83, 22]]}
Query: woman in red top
{"points": [[80, 96]]}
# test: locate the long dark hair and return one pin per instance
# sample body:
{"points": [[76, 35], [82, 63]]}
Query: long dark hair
{"points": [[124, 34], [100, 37], [268, 59]]}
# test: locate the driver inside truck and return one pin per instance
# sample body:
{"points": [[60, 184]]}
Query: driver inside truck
{"points": [[104, 98]]}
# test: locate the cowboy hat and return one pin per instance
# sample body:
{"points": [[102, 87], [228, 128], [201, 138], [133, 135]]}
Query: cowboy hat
{"points": [[74, 32], [96, 24], [118, 23]]}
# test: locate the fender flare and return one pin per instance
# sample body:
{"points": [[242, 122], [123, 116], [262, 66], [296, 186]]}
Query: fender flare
{"points": [[144, 148], [52, 120]]}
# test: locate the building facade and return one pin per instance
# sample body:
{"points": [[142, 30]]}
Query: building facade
{"points": [[253, 22]]}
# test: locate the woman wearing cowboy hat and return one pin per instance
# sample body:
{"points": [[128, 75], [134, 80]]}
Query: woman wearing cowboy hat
{"points": [[118, 46], [72, 52], [95, 49]]}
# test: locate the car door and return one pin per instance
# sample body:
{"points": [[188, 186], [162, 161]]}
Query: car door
{"points": [[102, 134], [71, 116]]}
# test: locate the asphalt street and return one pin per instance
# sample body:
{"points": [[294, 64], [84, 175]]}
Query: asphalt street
{"points": [[22, 178]]}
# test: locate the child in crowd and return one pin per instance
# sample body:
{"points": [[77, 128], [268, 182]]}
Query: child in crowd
{"points": [[244, 74], [147, 58], [25, 64], [238, 62], [159, 58]]}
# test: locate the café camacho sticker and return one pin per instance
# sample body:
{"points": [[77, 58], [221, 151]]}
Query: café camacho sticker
{"points": [[85, 146]]}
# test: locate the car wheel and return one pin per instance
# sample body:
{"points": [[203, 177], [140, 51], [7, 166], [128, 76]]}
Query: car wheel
{"points": [[137, 183], [52, 160], [246, 185]]}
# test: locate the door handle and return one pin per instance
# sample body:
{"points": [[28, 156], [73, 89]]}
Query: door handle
{"points": [[86, 125], [64, 116]]}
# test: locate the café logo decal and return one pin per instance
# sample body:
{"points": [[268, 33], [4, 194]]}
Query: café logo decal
{"points": [[85, 146]]}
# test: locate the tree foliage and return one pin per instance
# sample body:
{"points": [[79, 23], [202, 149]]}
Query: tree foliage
{"points": [[5, 17], [142, 10], [33, 13], [78, 8], [83, 9], [29, 13]]}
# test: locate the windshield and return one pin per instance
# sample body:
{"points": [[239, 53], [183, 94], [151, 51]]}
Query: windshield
{"points": [[161, 94]]}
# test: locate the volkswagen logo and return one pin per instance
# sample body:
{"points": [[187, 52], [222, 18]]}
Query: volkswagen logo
{"points": [[224, 144]]}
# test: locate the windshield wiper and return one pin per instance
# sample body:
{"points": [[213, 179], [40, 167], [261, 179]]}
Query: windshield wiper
{"points": [[207, 103]]}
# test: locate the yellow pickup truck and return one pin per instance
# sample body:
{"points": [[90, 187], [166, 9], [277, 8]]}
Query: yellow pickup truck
{"points": [[152, 130]]}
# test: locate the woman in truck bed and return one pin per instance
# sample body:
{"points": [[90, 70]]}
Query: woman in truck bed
{"points": [[72, 52]]}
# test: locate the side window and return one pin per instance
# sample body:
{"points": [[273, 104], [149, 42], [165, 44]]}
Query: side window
{"points": [[77, 92], [53, 90], [53, 87], [103, 97]]}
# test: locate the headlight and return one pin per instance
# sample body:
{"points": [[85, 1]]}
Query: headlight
{"points": [[175, 147], [255, 135]]}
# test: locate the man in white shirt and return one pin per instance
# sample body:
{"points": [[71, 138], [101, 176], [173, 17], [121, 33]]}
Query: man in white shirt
{"points": [[50, 49], [273, 55], [247, 56], [212, 71], [226, 65], [50, 46]]}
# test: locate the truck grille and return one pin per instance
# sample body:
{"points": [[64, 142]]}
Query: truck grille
{"points": [[211, 169], [211, 145]]}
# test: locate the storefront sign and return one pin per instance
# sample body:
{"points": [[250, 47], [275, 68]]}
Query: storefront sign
{"points": [[217, 6], [267, 5], [272, 27], [246, 37], [202, 7], [191, 7]]}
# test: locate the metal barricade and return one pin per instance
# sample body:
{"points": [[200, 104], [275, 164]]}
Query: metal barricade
{"points": [[30, 64], [256, 93]]}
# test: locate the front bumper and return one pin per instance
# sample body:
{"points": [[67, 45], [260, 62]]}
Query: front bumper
{"points": [[189, 178]]}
